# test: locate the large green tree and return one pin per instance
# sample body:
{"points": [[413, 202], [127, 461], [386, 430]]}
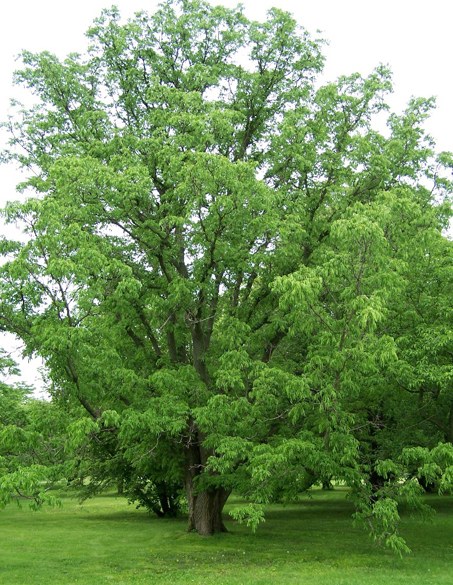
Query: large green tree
{"points": [[221, 255]]}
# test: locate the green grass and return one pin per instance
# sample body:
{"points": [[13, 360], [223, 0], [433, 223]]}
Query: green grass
{"points": [[105, 541]]}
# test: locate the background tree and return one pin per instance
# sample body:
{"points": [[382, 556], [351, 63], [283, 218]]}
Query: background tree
{"points": [[32, 440], [219, 254], [13, 396]]}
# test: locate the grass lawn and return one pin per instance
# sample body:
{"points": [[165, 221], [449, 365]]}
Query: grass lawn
{"points": [[105, 541]]}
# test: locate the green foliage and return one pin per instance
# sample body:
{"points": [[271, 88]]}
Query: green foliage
{"points": [[251, 515], [31, 444], [241, 282]]}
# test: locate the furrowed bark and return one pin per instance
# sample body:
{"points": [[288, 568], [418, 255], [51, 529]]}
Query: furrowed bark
{"points": [[205, 506]]}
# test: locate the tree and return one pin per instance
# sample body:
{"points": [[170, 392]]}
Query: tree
{"points": [[32, 440], [217, 252], [13, 396]]}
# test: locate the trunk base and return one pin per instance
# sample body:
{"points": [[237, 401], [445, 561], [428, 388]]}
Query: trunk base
{"points": [[205, 512]]}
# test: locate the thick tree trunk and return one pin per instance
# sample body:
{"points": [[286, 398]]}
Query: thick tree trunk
{"points": [[205, 510], [205, 505]]}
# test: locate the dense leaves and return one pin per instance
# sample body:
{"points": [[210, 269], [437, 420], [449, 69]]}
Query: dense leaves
{"points": [[32, 440], [240, 280]]}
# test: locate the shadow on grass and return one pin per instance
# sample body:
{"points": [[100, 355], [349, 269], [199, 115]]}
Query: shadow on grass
{"points": [[305, 542]]}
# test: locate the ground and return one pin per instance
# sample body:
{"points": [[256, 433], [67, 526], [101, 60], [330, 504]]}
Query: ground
{"points": [[105, 541]]}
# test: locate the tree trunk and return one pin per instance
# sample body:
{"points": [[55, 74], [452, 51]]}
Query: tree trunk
{"points": [[205, 505], [205, 510], [169, 509]]}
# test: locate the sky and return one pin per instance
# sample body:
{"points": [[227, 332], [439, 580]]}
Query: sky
{"points": [[412, 36]]}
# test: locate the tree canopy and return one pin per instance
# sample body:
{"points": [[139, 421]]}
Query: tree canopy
{"points": [[243, 283]]}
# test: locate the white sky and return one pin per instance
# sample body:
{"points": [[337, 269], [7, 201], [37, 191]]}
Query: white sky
{"points": [[413, 37]]}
